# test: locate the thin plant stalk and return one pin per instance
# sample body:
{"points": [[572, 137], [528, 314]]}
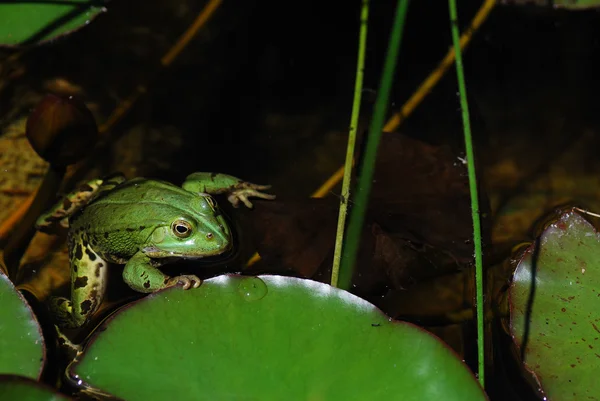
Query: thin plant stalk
{"points": [[358, 84], [409, 106], [365, 177], [464, 105]]}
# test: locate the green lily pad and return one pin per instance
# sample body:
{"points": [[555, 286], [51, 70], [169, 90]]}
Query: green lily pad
{"points": [[22, 349], [268, 338], [13, 387], [28, 23], [563, 342]]}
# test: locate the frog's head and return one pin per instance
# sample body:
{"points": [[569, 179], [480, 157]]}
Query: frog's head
{"points": [[200, 233]]}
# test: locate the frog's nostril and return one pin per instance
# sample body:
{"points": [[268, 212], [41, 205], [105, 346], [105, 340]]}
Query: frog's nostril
{"points": [[209, 235]]}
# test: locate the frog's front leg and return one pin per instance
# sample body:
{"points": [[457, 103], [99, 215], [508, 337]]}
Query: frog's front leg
{"points": [[142, 276], [88, 284], [236, 189]]}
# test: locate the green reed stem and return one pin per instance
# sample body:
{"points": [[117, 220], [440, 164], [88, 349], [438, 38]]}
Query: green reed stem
{"points": [[464, 105], [365, 176], [358, 84]]}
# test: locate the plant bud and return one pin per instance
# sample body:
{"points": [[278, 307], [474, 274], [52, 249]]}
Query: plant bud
{"points": [[62, 130]]}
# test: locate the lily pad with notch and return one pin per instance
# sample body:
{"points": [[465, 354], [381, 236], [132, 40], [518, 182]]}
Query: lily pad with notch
{"points": [[554, 298]]}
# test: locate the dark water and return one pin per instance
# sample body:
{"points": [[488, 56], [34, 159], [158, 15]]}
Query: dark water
{"points": [[264, 91]]}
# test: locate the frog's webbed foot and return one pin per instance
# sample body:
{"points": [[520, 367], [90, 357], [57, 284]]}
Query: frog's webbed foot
{"points": [[236, 189], [244, 190], [72, 349], [187, 281], [62, 309]]}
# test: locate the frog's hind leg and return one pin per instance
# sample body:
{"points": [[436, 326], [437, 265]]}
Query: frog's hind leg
{"points": [[88, 284], [109, 183], [76, 200]]}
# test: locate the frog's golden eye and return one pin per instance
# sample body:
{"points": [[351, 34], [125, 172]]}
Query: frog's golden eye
{"points": [[181, 228]]}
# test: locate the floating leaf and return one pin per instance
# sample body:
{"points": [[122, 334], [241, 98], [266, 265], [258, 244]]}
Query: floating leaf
{"points": [[561, 314], [21, 341], [268, 338], [29, 23], [21, 388]]}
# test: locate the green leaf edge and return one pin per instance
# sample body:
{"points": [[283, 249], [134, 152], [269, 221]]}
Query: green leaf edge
{"points": [[59, 36], [3, 276], [7, 378], [523, 253]]}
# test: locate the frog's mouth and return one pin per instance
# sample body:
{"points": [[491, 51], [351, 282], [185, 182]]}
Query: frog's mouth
{"points": [[157, 253]]}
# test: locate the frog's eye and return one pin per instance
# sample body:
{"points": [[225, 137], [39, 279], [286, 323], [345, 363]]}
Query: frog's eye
{"points": [[181, 228]]}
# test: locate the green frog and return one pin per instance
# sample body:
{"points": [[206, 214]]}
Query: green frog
{"points": [[142, 224]]}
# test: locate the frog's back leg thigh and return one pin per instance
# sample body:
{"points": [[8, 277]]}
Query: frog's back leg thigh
{"points": [[88, 284], [75, 200]]}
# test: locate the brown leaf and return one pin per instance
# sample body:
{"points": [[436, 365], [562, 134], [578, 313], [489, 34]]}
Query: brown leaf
{"points": [[293, 236], [421, 192]]}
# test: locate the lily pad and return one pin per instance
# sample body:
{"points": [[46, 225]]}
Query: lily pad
{"points": [[560, 315], [29, 23], [21, 388], [268, 338], [22, 349]]}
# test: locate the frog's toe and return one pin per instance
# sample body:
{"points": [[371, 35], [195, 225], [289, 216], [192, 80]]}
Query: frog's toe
{"points": [[62, 310], [258, 186], [247, 202], [234, 199], [261, 195], [187, 281], [243, 194], [237, 197]]}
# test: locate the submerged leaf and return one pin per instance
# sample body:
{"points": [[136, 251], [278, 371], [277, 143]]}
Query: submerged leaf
{"points": [[268, 338], [296, 236], [554, 300], [418, 224], [422, 192], [21, 343]]}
